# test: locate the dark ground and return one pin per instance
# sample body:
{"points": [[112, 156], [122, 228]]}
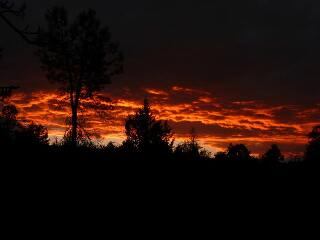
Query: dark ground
{"points": [[97, 167]]}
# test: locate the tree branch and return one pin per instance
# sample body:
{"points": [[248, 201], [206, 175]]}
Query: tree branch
{"points": [[9, 8]]}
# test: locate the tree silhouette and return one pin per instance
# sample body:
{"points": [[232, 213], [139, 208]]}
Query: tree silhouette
{"points": [[273, 155], [80, 56], [8, 125], [32, 134], [238, 152], [14, 133], [147, 135], [191, 149], [313, 149], [84, 137]]}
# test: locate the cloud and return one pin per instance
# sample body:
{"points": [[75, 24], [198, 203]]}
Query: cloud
{"points": [[217, 123], [156, 92]]}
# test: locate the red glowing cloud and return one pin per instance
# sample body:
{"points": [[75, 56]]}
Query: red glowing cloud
{"points": [[217, 123]]}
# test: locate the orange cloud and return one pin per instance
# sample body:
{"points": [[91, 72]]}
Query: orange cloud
{"points": [[218, 124], [156, 92]]}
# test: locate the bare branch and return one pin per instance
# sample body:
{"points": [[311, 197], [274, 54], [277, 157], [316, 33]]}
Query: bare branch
{"points": [[8, 9]]}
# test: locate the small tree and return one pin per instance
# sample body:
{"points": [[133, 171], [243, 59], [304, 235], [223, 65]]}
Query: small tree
{"points": [[238, 152], [80, 56], [147, 135], [191, 149], [273, 155]]}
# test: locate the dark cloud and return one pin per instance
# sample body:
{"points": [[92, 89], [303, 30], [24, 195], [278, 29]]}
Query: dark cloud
{"points": [[248, 49]]}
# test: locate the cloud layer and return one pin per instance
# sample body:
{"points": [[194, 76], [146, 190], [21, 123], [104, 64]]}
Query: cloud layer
{"points": [[217, 122]]}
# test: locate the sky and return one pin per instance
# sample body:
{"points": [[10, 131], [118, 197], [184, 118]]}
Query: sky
{"points": [[237, 71]]}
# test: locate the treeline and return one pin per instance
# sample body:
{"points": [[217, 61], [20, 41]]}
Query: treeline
{"points": [[146, 139]]}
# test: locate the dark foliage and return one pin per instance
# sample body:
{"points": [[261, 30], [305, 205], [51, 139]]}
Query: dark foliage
{"points": [[32, 135], [9, 112], [313, 149], [273, 155], [220, 156], [146, 135], [14, 134], [79, 55], [238, 152], [8, 125], [191, 149], [235, 153]]}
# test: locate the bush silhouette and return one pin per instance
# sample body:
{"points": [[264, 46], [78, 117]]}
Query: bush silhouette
{"points": [[191, 149], [33, 135], [16, 134], [238, 152], [273, 155]]}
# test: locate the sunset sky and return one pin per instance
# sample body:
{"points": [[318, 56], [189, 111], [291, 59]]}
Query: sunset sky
{"points": [[237, 71]]}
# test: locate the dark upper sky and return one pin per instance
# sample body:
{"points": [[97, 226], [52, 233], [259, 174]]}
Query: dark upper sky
{"points": [[256, 49]]}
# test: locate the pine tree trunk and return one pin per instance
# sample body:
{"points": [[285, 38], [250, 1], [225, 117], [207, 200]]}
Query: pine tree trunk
{"points": [[74, 122]]}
